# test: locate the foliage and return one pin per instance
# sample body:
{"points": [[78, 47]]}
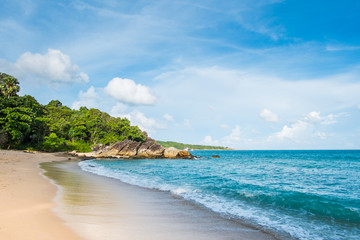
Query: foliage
{"points": [[168, 144], [16, 123], [21, 121], [80, 146], [89, 125], [9, 85], [53, 142], [24, 123]]}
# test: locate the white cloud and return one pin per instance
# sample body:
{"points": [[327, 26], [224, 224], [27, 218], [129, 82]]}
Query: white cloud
{"points": [[358, 106], [168, 117], [321, 135], [305, 127], [313, 117], [292, 132], [268, 115], [224, 126], [243, 93], [54, 66], [329, 119], [144, 123], [127, 91], [234, 137], [237, 88], [89, 99], [209, 141], [118, 109], [332, 48]]}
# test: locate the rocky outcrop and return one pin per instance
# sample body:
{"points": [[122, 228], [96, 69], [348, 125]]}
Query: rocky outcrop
{"points": [[176, 153], [150, 149], [132, 149]]}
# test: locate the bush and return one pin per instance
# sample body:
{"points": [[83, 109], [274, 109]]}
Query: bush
{"points": [[79, 146], [53, 143]]}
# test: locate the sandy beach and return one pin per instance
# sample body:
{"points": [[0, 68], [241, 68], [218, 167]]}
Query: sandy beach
{"points": [[87, 206], [26, 199]]}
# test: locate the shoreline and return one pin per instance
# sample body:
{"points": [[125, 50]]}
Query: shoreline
{"points": [[98, 207], [26, 199], [73, 204]]}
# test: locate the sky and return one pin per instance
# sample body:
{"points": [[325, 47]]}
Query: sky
{"points": [[250, 74]]}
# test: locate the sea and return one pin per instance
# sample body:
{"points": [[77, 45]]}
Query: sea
{"points": [[310, 194]]}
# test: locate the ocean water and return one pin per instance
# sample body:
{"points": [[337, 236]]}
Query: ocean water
{"points": [[298, 194]]}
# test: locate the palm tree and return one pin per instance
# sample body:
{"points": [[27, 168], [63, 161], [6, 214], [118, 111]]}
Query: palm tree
{"points": [[9, 85]]}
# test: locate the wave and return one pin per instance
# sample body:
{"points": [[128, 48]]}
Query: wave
{"points": [[273, 211]]}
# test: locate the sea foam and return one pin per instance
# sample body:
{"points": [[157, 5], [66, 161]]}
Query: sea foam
{"points": [[270, 190]]}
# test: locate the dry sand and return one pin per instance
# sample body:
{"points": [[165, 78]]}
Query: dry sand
{"points": [[26, 199]]}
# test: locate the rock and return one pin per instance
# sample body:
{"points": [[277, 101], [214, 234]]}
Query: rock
{"points": [[146, 135], [115, 148], [98, 147], [130, 149], [150, 149], [73, 152], [176, 153], [215, 156], [157, 151], [171, 152], [184, 154]]}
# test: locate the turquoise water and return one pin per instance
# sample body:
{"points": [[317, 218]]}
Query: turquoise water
{"points": [[302, 194]]}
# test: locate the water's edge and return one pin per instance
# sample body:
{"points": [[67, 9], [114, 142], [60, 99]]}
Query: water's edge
{"points": [[308, 194], [81, 192]]}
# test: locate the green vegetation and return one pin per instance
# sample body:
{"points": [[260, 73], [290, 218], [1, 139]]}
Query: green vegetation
{"points": [[9, 85], [26, 124], [190, 146]]}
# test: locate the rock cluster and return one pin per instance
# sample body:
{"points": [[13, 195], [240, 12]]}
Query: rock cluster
{"points": [[132, 149]]}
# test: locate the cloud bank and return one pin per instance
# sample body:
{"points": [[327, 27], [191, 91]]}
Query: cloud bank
{"points": [[305, 128]]}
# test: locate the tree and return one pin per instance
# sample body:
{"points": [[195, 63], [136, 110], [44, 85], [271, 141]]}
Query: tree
{"points": [[9, 85], [54, 103], [16, 123], [53, 142], [26, 123]]}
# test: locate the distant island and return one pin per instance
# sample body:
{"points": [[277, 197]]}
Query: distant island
{"points": [[168, 144]]}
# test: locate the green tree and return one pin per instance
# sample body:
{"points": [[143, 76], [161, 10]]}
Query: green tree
{"points": [[9, 85], [79, 132], [16, 123], [26, 123], [54, 103], [53, 142]]}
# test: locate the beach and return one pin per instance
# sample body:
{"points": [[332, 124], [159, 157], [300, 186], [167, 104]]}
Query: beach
{"points": [[87, 206], [26, 199]]}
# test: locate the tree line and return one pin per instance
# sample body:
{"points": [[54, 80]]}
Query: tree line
{"points": [[27, 124], [167, 144]]}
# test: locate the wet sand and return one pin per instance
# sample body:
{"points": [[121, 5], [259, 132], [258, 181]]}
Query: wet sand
{"points": [[97, 207]]}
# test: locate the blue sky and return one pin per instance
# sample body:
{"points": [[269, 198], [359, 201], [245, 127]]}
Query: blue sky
{"points": [[250, 74]]}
